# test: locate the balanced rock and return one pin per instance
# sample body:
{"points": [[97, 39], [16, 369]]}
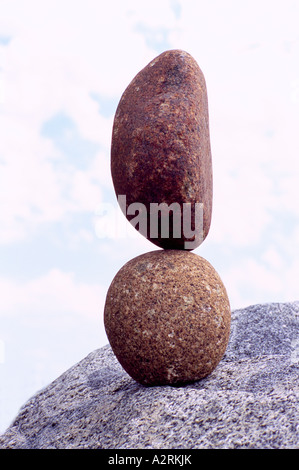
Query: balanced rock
{"points": [[160, 152], [167, 317]]}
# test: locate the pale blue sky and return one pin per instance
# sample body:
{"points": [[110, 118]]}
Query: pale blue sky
{"points": [[58, 95]]}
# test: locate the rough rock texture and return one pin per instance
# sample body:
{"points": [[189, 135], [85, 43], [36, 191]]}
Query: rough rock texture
{"points": [[160, 151], [167, 317], [249, 401]]}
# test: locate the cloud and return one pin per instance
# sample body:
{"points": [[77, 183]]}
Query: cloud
{"points": [[34, 191], [53, 78], [261, 279], [46, 298]]}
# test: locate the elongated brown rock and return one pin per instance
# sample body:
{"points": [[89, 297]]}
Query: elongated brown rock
{"points": [[160, 152]]}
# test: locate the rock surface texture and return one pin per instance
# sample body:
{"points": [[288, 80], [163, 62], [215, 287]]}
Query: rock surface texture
{"points": [[249, 401], [160, 150], [167, 317]]}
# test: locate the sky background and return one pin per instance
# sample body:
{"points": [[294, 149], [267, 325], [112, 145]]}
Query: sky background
{"points": [[63, 68]]}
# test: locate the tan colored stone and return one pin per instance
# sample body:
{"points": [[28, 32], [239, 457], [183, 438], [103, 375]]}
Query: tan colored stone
{"points": [[160, 151], [167, 317]]}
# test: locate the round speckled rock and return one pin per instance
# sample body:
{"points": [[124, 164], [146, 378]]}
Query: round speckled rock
{"points": [[160, 151], [167, 317]]}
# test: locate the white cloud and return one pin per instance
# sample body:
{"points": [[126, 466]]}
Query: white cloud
{"points": [[241, 204], [273, 258], [252, 279], [32, 190], [248, 54], [57, 56], [53, 294]]}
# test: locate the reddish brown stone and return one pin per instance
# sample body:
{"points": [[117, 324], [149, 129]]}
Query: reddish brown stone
{"points": [[167, 317], [160, 148]]}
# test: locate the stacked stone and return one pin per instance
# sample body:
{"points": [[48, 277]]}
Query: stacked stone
{"points": [[167, 313]]}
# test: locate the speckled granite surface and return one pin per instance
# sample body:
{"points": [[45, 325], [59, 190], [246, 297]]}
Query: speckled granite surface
{"points": [[167, 317]]}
